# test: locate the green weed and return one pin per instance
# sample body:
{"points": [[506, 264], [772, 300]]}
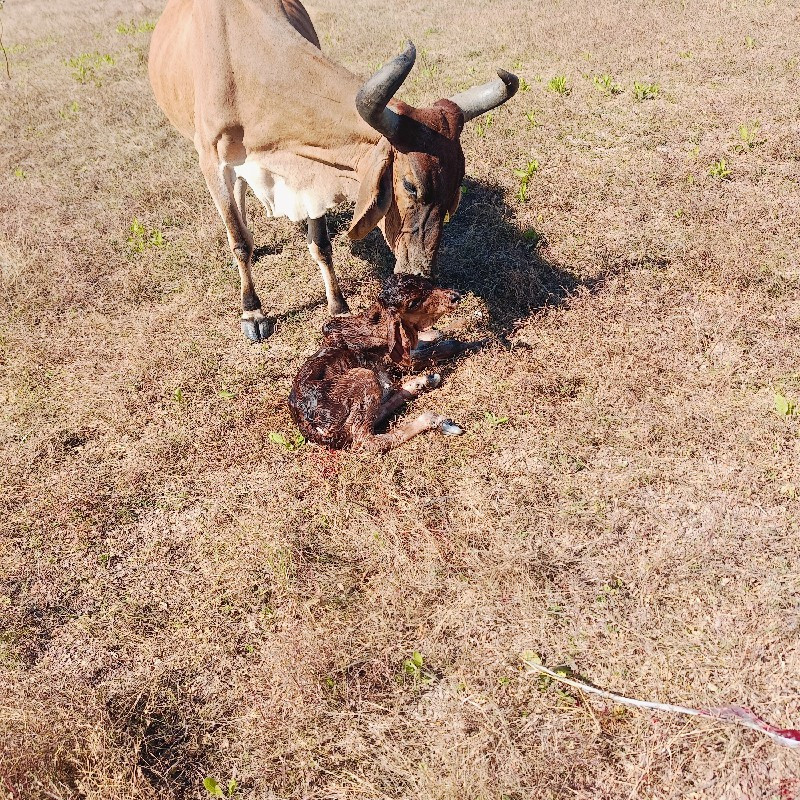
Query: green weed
{"points": [[414, 668], [748, 137], [531, 117], [543, 682], [786, 407], [128, 29], [20, 173], [291, 443], [494, 420], [720, 170], [427, 68], [212, 786], [645, 91], [70, 111], [750, 43], [605, 83], [532, 236], [524, 175], [86, 66], [140, 238], [482, 127], [558, 84]]}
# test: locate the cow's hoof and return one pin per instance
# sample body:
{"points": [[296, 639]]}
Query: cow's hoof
{"points": [[449, 428], [257, 328]]}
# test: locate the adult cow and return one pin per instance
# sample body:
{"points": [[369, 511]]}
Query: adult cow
{"points": [[247, 82]]}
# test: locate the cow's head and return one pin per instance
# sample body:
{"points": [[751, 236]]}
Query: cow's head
{"points": [[413, 180]]}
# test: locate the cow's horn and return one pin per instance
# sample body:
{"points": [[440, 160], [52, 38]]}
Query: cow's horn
{"points": [[480, 99], [373, 96]]}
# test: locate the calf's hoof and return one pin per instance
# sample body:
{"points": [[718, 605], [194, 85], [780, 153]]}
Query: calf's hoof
{"points": [[257, 327], [421, 383], [430, 335], [449, 428], [433, 380]]}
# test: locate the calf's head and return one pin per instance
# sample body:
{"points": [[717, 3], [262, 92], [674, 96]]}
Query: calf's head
{"points": [[413, 180], [409, 304]]}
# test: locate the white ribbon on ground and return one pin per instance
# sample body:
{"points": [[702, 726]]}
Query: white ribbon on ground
{"points": [[788, 737]]}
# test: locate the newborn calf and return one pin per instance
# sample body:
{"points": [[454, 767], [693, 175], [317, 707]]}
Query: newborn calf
{"points": [[345, 389]]}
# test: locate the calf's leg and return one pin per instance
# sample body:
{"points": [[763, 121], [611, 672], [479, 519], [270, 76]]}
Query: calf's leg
{"points": [[406, 431], [428, 353], [408, 391]]}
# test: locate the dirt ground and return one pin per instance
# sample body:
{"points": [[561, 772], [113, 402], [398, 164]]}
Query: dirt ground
{"points": [[187, 592]]}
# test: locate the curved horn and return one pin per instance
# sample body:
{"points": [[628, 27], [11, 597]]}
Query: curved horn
{"points": [[373, 96], [480, 99]]}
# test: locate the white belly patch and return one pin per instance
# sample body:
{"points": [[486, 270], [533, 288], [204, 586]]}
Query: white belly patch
{"points": [[291, 186]]}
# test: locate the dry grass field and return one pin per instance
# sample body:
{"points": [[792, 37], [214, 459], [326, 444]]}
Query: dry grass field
{"points": [[186, 593]]}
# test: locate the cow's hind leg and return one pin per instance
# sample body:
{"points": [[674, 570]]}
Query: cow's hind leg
{"points": [[240, 192], [319, 245], [221, 180]]}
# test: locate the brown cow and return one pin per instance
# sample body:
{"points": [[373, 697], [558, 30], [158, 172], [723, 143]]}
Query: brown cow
{"points": [[246, 81]]}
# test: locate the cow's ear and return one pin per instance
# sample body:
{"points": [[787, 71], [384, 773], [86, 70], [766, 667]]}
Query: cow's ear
{"points": [[375, 194]]}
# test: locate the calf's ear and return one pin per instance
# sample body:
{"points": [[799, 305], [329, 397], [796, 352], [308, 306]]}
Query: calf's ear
{"points": [[375, 193], [402, 339]]}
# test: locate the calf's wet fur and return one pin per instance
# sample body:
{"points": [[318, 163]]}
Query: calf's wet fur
{"points": [[349, 386]]}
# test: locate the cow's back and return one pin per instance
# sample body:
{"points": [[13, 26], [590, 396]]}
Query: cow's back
{"points": [[180, 53]]}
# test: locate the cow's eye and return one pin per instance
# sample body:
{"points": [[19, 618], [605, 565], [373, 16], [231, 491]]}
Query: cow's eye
{"points": [[415, 303], [409, 187]]}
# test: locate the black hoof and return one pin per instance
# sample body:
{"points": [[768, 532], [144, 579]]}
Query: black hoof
{"points": [[257, 330]]}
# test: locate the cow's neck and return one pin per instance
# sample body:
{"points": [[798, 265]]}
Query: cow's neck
{"points": [[341, 138]]}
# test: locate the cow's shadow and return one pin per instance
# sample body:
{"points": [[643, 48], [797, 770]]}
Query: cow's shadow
{"points": [[484, 253]]}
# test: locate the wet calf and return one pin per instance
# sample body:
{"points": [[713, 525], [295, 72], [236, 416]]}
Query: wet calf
{"points": [[348, 387]]}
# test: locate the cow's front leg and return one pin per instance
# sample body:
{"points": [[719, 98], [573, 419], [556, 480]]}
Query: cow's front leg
{"points": [[319, 245], [221, 180]]}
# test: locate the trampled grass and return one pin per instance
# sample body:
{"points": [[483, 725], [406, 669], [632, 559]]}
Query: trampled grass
{"points": [[188, 591]]}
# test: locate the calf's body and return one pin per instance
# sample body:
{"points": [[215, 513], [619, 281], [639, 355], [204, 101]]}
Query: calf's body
{"points": [[348, 387]]}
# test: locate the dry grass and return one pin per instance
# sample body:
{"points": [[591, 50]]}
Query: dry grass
{"points": [[181, 597]]}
